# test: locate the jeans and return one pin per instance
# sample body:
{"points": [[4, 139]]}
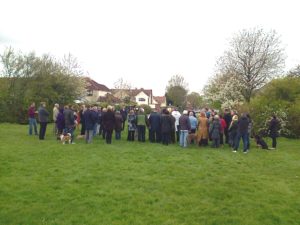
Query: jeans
{"points": [[183, 137], [118, 135], [141, 133], [89, 136], [32, 123], [244, 136]]}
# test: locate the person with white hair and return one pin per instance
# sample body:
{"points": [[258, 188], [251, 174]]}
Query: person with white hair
{"points": [[184, 128], [176, 114], [55, 114]]}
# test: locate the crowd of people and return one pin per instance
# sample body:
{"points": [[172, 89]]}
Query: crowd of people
{"points": [[168, 126]]}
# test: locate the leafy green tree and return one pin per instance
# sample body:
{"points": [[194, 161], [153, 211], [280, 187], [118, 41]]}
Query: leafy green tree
{"points": [[176, 91], [195, 100]]}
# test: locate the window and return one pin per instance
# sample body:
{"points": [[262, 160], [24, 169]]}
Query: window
{"points": [[89, 93], [142, 99]]}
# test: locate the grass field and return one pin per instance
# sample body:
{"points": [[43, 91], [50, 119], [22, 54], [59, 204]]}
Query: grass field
{"points": [[45, 182]]}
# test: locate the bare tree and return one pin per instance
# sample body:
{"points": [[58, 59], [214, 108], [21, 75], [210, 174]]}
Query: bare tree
{"points": [[123, 88], [254, 57]]}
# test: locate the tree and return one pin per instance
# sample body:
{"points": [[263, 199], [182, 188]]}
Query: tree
{"points": [[225, 90], [195, 100], [176, 91], [28, 78], [254, 57], [294, 72], [124, 89]]}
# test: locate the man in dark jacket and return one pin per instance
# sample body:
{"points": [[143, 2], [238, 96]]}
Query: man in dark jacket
{"points": [[43, 118], [273, 129], [118, 125], [227, 117], [69, 122], [109, 121], [90, 119], [154, 126], [242, 132], [166, 127], [124, 113]]}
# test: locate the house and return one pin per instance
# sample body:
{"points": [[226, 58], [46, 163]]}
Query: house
{"points": [[95, 90], [140, 96], [159, 102]]}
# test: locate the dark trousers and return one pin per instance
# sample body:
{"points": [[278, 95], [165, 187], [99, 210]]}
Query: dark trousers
{"points": [[82, 131], [108, 136], [215, 143], [221, 138], [226, 133], [165, 138], [177, 134], [130, 136], [173, 136], [43, 127], [141, 133], [154, 136], [274, 142]]}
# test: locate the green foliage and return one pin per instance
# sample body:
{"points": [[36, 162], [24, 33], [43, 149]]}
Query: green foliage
{"points": [[28, 78], [129, 183], [147, 108], [176, 91], [195, 100], [280, 97]]}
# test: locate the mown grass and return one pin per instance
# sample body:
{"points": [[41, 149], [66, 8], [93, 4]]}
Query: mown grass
{"points": [[45, 182]]}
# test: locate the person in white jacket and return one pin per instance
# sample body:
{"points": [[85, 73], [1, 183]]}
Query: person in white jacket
{"points": [[176, 115]]}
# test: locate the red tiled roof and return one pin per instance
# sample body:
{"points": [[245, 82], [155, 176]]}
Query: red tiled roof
{"points": [[160, 99], [93, 85]]}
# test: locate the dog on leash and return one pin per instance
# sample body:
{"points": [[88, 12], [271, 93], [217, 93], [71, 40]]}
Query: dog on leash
{"points": [[191, 137], [65, 138], [260, 142]]}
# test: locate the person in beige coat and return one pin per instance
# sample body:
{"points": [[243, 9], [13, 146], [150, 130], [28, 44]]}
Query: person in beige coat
{"points": [[202, 133]]}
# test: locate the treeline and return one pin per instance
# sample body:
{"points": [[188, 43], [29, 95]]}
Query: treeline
{"points": [[26, 78]]}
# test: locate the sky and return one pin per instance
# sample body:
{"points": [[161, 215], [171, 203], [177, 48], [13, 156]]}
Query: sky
{"points": [[144, 42]]}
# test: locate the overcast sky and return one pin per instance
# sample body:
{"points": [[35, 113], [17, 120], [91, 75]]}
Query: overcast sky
{"points": [[145, 42]]}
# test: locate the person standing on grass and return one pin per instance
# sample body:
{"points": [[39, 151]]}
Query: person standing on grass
{"points": [[90, 119], [194, 123], [176, 114], [154, 127], [118, 125], [131, 125], [223, 127], [184, 127], [202, 133], [70, 123], [215, 130], [141, 124], [273, 130], [232, 131], [166, 127], [43, 119], [32, 119], [60, 122], [82, 120], [249, 130], [242, 132], [227, 117], [109, 121], [124, 113], [55, 112]]}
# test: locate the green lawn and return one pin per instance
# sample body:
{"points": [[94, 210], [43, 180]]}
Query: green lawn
{"points": [[45, 182]]}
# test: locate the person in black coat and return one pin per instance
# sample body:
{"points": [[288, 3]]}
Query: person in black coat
{"points": [[90, 119], [154, 127], [109, 121], [273, 131], [166, 127], [242, 132], [227, 117], [43, 119], [124, 114]]}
